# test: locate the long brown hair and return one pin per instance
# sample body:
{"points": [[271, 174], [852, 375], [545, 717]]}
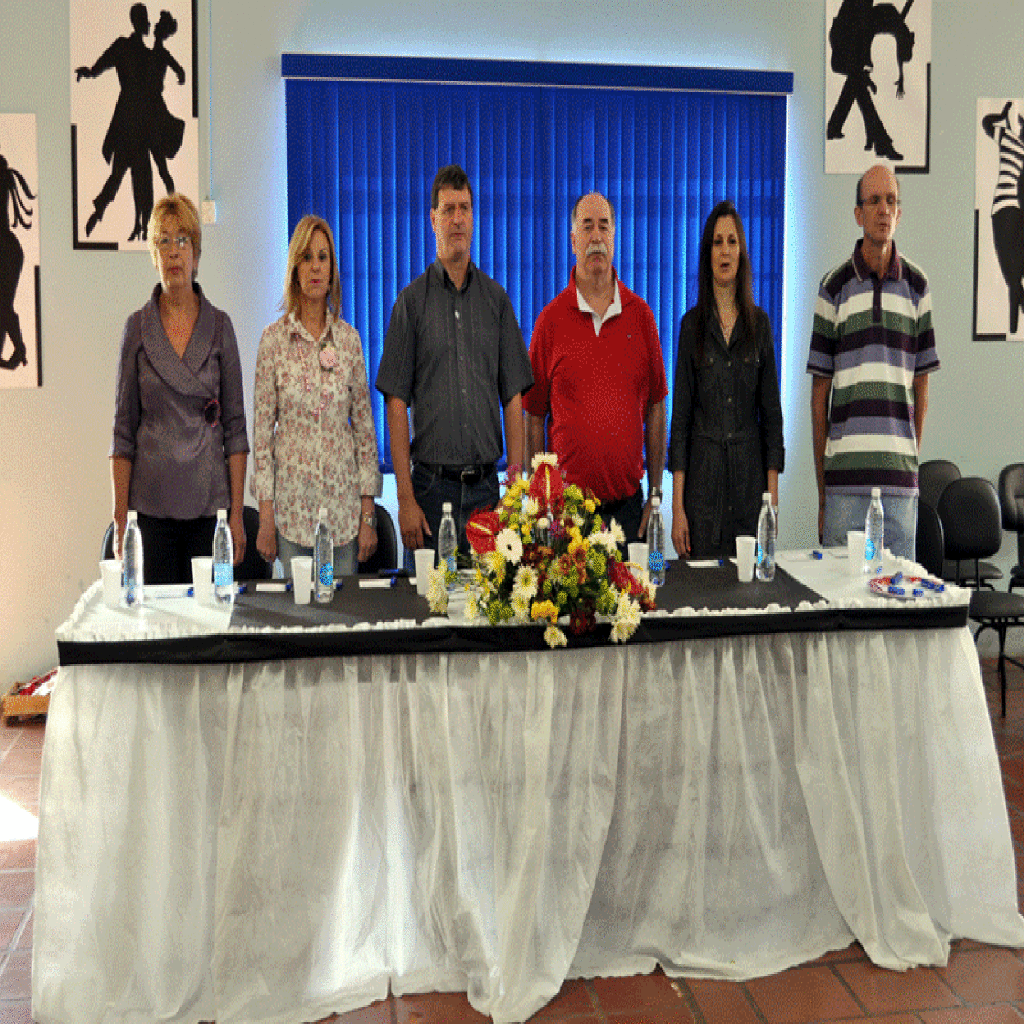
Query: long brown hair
{"points": [[706, 308]]}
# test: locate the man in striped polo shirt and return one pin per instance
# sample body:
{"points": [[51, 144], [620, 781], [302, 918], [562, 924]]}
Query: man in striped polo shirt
{"points": [[872, 349]]}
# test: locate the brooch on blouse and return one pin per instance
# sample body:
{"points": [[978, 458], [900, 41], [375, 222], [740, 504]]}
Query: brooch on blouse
{"points": [[211, 413]]}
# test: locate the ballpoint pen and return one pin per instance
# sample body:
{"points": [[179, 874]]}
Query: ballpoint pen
{"points": [[817, 554]]}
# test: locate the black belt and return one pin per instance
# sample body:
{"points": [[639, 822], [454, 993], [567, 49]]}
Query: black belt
{"points": [[459, 474]]}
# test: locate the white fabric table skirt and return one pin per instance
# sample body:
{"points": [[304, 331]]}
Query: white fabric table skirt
{"points": [[274, 842]]}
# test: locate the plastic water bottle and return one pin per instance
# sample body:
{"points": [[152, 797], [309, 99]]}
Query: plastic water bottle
{"points": [[223, 560], [447, 541], [874, 533], [132, 588], [767, 529], [656, 544], [323, 560]]}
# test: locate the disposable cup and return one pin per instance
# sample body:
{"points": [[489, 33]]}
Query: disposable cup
{"points": [[110, 573], [424, 563], [855, 541], [638, 553], [745, 547], [202, 579], [302, 578]]}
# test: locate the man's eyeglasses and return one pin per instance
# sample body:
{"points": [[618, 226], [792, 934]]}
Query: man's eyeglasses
{"points": [[164, 242], [891, 201]]}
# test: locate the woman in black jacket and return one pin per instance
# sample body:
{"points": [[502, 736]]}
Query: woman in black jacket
{"points": [[726, 444]]}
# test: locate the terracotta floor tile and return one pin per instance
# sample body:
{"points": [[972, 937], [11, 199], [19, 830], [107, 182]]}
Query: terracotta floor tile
{"points": [[16, 980], [16, 1011], [10, 921], [17, 853], [852, 952], [22, 760], [804, 994], [988, 975], [25, 941], [573, 1000], [681, 1015], [17, 887], [22, 789], [1003, 1014], [375, 1013], [883, 991], [721, 1002], [651, 991], [437, 1008]]}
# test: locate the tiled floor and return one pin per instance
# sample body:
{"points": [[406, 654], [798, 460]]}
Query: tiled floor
{"points": [[980, 985]]}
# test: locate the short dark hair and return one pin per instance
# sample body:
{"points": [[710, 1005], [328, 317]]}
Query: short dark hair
{"points": [[453, 177], [575, 207]]}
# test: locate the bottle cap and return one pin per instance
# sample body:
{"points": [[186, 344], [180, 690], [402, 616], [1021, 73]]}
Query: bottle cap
{"points": [[222, 513], [323, 513], [876, 492], [655, 502], [767, 496], [446, 508], [133, 516]]}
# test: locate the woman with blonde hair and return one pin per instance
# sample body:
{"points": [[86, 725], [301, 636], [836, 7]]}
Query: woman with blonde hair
{"points": [[180, 447], [315, 445]]}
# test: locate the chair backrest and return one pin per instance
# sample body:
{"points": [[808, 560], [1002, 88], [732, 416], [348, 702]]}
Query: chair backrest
{"points": [[932, 478], [107, 546], [971, 522], [386, 555], [1011, 502], [930, 540], [253, 566]]}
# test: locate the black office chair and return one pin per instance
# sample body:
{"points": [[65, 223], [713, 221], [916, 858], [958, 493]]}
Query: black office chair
{"points": [[972, 523], [932, 478], [386, 555], [1011, 503], [930, 540]]}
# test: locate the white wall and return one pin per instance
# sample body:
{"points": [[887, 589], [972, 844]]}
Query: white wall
{"points": [[55, 492]]}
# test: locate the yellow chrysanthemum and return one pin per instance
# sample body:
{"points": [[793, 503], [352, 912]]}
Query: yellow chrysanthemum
{"points": [[544, 610]]}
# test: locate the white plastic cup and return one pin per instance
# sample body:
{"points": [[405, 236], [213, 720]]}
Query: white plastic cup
{"points": [[638, 553], [424, 564], [202, 579], [110, 573], [855, 541], [745, 548], [302, 578]]}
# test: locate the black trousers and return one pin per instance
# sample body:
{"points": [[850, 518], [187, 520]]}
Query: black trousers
{"points": [[169, 545]]}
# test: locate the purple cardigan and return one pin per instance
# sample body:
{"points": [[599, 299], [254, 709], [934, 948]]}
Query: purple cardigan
{"points": [[162, 411]]}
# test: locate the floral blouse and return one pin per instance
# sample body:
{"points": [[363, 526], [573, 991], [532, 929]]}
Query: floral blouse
{"points": [[314, 437]]}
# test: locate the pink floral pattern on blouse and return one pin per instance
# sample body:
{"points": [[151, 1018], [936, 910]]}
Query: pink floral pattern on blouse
{"points": [[313, 429]]}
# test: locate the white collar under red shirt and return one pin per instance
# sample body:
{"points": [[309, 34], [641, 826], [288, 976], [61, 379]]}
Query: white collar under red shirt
{"points": [[613, 310]]}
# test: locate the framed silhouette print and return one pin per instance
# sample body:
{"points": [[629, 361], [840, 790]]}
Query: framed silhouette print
{"points": [[877, 85], [134, 116], [999, 220], [20, 334]]}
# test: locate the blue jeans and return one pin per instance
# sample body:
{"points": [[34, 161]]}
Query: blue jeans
{"points": [[431, 492], [844, 512], [344, 555]]}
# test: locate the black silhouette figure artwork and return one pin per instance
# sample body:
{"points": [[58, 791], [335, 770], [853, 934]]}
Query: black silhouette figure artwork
{"points": [[1007, 129], [14, 197], [141, 124], [851, 35]]}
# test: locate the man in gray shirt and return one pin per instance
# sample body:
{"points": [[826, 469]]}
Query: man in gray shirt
{"points": [[454, 353]]}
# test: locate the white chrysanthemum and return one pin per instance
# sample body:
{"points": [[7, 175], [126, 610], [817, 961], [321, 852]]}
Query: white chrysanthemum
{"points": [[510, 544], [550, 458], [554, 637], [526, 582], [520, 606], [617, 532], [627, 618], [437, 592], [604, 539]]}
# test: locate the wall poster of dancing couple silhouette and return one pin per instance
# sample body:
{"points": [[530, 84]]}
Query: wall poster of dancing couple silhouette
{"points": [[877, 84], [999, 220], [20, 338], [134, 115]]}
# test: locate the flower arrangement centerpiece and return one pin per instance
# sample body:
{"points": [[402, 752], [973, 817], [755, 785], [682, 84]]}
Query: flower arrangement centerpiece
{"points": [[544, 554]]}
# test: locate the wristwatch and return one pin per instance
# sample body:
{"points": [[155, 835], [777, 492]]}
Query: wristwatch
{"points": [[370, 520]]}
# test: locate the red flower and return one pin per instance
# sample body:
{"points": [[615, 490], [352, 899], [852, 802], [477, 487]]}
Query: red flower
{"points": [[483, 526], [547, 486]]}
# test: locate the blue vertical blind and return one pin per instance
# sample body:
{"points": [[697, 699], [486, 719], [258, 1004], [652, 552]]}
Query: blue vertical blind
{"points": [[366, 136]]}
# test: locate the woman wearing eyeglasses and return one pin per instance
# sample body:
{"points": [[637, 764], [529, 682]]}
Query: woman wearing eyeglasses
{"points": [[313, 437], [180, 446]]}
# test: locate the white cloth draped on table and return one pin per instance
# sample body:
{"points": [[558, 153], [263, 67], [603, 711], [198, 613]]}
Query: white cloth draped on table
{"points": [[278, 841]]}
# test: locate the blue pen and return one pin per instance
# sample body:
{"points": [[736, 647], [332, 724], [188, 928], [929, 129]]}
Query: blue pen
{"points": [[898, 591], [898, 578], [817, 554]]}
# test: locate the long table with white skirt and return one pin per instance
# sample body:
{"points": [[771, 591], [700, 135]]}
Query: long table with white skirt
{"points": [[276, 838]]}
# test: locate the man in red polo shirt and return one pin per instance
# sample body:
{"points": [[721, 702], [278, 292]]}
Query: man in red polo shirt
{"points": [[599, 378]]}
